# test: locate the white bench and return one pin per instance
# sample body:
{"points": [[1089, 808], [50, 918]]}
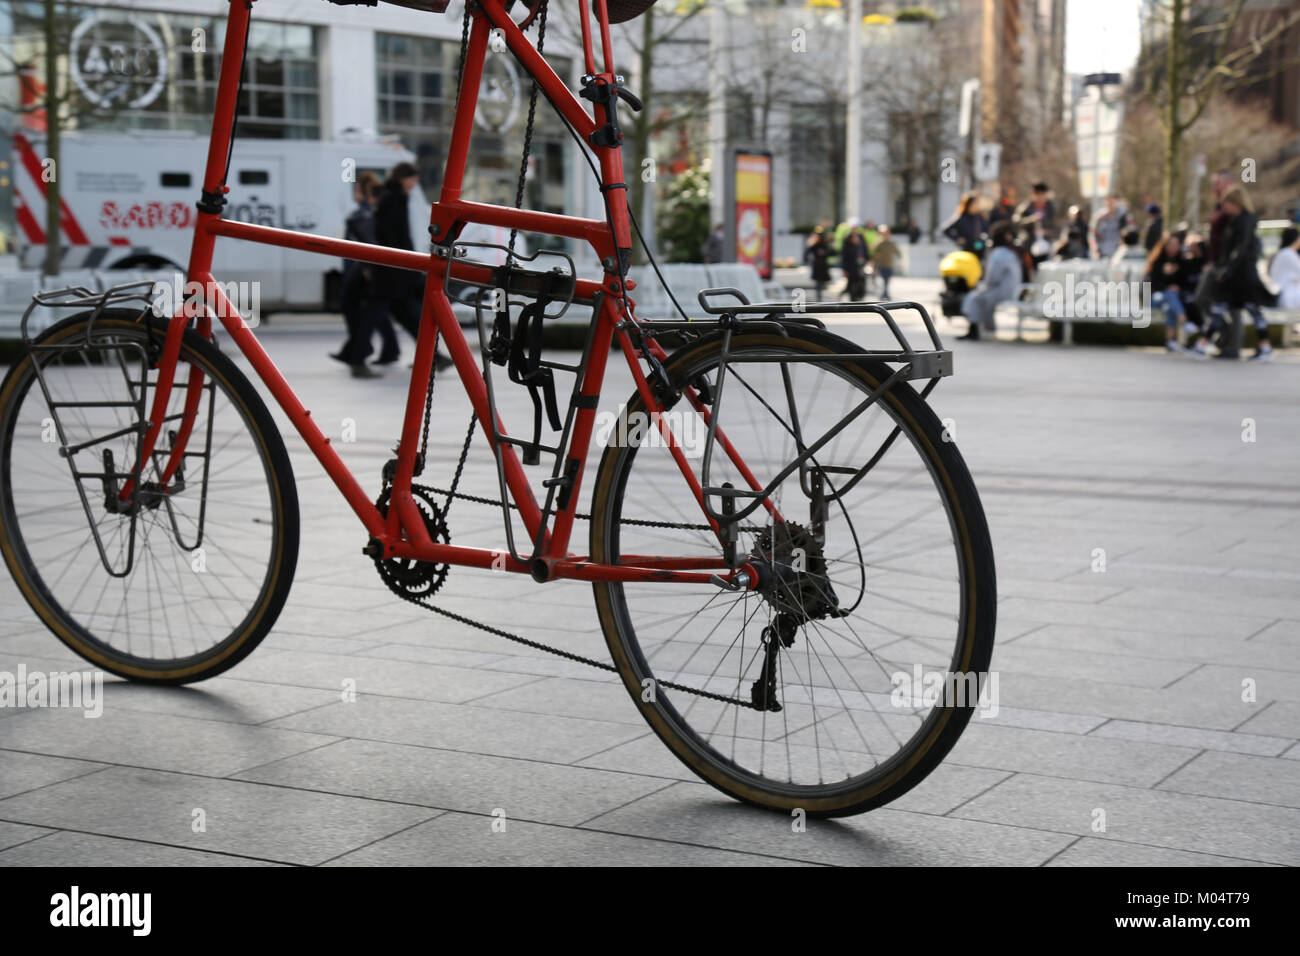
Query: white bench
{"points": [[686, 280], [1074, 274]]}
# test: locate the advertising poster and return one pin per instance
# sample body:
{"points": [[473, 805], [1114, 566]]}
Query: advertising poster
{"points": [[754, 210]]}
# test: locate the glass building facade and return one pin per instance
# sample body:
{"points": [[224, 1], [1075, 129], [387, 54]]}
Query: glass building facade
{"points": [[342, 73], [415, 100]]}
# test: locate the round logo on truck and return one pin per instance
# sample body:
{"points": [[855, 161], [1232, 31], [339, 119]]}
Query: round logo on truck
{"points": [[117, 61], [498, 98]]}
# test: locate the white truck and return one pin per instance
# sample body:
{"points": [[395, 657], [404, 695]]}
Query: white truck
{"points": [[128, 203]]}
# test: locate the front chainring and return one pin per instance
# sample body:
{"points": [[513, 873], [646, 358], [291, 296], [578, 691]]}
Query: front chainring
{"points": [[416, 580]]}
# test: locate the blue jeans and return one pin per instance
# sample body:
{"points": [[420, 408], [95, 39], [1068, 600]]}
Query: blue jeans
{"points": [[1219, 315], [1171, 303], [885, 274]]}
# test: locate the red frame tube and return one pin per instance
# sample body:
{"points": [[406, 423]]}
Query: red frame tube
{"points": [[402, 532]]}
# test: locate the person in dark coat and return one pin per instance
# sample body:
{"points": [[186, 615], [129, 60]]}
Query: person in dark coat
{"points": [[715, 246], [817, 255], [1235, 273], [967, 226], [1155, 233], [854, 257], [1206, 302], [362, 311], [403, 289], [1039, 210], [393, 229]]}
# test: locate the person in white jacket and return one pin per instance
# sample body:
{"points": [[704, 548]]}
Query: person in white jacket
{"points": [[1284, 270]]}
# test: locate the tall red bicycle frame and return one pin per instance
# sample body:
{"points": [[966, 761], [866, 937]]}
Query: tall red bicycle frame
{"points": [[402, 533]]}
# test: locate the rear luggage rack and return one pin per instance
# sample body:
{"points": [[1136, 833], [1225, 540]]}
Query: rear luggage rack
{"points": [[743, 317]]}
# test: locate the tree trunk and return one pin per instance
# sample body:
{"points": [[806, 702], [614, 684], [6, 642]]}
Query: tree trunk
{"points": [[641, 127], [1173, 164], [835, 160], [53, 237], [934, 206]]}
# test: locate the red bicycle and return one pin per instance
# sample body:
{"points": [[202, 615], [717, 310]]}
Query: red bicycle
{"points": [[790, 562]]}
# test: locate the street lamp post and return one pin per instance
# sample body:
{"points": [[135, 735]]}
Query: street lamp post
{"points": [[717, 114], [853, 118]]}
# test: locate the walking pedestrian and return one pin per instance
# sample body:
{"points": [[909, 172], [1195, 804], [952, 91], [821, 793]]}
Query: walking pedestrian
{"points": [[853, 261], [362, 310], [402, 288], [817, 256], [1235, 273], [1193, 268], [885, 258]]}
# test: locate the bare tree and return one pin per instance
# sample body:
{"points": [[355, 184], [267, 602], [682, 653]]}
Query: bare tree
{"points": [[1223, 126], [915, 102], [1208, 47], [647, 42]]}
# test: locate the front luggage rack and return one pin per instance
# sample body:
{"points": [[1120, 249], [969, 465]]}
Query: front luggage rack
{"points": [[134, 360], [79, 297]]}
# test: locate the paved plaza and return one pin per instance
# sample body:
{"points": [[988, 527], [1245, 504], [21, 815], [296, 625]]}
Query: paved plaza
{"points": [[1145, 514]]}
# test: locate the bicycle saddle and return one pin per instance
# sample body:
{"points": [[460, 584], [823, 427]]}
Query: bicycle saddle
{"points": [[620, 11]]}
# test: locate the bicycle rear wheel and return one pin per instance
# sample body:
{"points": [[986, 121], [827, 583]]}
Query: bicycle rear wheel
{"points": [[166, 586], [810, 691]]}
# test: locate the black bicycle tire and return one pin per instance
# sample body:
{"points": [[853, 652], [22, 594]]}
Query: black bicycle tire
{"points": [[904, 770]]}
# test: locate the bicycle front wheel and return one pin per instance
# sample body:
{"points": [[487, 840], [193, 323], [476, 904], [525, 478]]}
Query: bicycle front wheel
{"points": [[842, 679], [180, 579]]}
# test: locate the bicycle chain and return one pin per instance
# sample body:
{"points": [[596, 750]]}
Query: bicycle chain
{"points": [[528, 129], [426, 602]]}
